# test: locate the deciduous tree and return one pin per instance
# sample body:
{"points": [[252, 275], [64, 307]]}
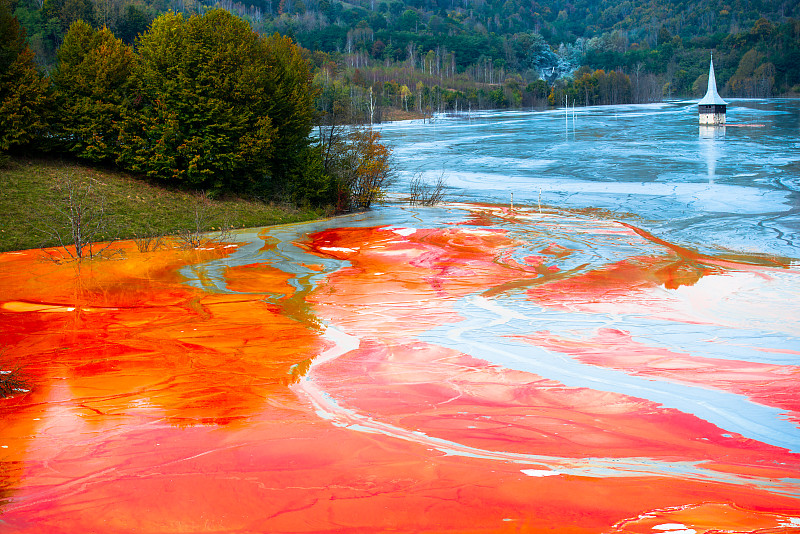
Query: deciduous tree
{"points": [[207, 102], [92, 82], [289, 103], [362, 168]]}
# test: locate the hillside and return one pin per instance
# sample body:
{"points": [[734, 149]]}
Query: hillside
{"points": [[33, 207], [436, 55]]}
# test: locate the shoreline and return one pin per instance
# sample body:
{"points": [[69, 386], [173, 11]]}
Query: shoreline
{"points": [[120, 206]]}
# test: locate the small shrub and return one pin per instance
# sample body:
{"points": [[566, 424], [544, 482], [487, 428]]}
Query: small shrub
{"points": [[424, 194], [149, 242], [12, 382]]}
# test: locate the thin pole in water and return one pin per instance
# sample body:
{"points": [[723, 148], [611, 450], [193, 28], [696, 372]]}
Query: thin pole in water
{"points": [[566, 117], [573, 119]]}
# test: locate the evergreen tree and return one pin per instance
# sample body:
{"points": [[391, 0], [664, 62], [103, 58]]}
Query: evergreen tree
{"points": [[133, 22], [24, 94]]}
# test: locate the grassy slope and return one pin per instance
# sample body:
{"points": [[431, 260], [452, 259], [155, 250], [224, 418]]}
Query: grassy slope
{"points": [[133, 207]]}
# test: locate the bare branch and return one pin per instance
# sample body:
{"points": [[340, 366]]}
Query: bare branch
{"points": [[76, 222], [198, 236], [424, 194]]}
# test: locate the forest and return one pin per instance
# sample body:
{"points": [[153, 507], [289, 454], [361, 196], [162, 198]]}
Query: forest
{"points": [[201, 102], [424, 56]]}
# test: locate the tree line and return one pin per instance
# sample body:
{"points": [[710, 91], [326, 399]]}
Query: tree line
{"points": [[201, 102], [492, 50], [763, 61]]}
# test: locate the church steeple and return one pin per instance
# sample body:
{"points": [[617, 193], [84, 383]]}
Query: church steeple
{"points": [[712, 108]]}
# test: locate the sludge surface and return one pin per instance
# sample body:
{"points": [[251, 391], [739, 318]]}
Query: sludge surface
{"points": [[462, 369]]}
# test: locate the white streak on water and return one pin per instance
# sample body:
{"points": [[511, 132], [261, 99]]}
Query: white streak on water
{"points": [[481, 336], [471, 339], [738, 190], [331, 410]]}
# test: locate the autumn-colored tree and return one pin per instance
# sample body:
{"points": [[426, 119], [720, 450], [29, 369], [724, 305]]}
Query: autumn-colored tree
{"points": [[362, 169], [24, 94], [754, 77], [92, 81], [347, 167]]}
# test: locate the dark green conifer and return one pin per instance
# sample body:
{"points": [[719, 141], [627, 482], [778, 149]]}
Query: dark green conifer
{"points": [[24, 93]]}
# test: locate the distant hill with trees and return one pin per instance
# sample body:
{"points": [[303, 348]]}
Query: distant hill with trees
{"points": [[431, 55]]}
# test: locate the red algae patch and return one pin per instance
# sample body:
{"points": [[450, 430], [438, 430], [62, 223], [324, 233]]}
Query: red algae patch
{"points": [[708, 518], [417, 273], [129, 336], [448, 395], [462, 405], [258, 278]]}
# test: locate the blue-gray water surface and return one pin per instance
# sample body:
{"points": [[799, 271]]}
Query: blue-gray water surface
{"points": [[716, 189], [733, 188]]}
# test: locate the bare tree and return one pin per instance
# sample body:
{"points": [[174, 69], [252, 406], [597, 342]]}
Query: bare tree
{"points": [[149, 241], [423, 193], [76, 221], [198, 234], [371, 107]]}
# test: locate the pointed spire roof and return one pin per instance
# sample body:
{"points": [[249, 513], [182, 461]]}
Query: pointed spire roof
{"points": [[712, 97]]}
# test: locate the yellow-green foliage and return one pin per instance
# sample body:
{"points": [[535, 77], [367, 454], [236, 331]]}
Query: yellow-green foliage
{"points": [[214, 105], [92, 81]]}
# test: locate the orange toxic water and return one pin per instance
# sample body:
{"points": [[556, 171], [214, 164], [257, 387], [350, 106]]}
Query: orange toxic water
{"points": [[484, 371]]}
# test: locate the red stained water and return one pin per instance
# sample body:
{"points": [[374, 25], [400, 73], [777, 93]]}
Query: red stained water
{"points": [[160, 407], [464, 400], [768, 384]]}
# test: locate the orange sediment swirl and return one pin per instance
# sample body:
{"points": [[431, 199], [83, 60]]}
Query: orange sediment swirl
{"points": [[160, 406]]}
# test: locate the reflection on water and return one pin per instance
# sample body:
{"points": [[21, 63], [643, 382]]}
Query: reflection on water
{"points": [[450, 369], [712, 139]]}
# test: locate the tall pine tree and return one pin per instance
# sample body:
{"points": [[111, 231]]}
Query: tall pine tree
{"points": [[24, 93]]}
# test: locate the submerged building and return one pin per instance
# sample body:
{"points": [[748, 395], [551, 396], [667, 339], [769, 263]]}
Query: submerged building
{"points": [[712, 107]]}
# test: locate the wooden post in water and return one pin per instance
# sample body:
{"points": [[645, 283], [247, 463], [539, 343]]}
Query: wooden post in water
{"points": [[566, 117], [567, 112]]}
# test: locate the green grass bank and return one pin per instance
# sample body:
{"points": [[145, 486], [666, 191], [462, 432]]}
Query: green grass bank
{"points": [[33, 202]]}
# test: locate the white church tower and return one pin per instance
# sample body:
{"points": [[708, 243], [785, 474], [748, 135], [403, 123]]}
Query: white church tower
{"points": [[712, 107]]}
